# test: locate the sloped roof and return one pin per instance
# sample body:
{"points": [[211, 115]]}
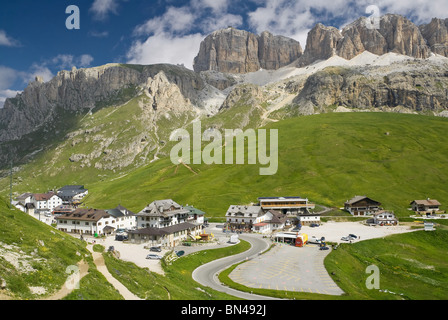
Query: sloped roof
{"points": [[194, 210], [71, 187], [246, 211], [43, 196], [120, 211], [356, 199], [277, 217], [427, 202], [23, 196], [162, 208], [84, 215]]}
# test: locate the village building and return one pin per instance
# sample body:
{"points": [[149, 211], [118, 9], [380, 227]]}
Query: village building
{"points": [[167, 223], [287, 205], [167, 236], [272, 220], [162, 213], [124, 218], [309, 219], [72, 194], [86, 221], [384, 218], [362, 206], [195, 215], [242, 218], [425, 206], [63, 209], [25, 198], [45, 202]]}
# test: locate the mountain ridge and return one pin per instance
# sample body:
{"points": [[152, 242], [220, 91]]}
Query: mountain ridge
{"points": [[51, 111]]}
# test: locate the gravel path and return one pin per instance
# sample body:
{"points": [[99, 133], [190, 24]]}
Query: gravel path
{"points": [[101, 266]]}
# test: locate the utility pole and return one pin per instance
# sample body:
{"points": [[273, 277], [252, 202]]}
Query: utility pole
{"points": [[10, 186]]}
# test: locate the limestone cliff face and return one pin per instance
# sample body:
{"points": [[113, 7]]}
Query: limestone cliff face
{"points": [[395, 34], [275, 52], [376, 88], [237, 51], [84, 89], [436, 35], [321, 44]]}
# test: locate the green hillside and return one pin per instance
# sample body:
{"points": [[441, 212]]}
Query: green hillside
{"points": [[329, 158], [412, 266], [34, 258]]}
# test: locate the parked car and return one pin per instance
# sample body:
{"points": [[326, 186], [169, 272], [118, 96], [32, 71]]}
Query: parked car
{"points": [[314, 240], [314, 225], [180, 253], [121, 237], [346, 238], [153, 256], [155, 249]]}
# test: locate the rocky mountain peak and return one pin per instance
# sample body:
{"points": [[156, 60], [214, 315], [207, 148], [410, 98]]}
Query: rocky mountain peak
{"points": [[394, 33], [237, 51], [436, 35]]}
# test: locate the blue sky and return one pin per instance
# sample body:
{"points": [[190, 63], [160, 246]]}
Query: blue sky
{"points": [[34, 39]]}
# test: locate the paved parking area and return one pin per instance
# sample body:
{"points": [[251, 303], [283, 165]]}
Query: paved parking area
{"points": [[288, 268]]}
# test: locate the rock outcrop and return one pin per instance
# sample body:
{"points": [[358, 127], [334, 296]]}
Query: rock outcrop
{"points": [[236, 51], [321, 44], [275, 52], [375, 88], [436, 35], [395, 33], [84, 89]]}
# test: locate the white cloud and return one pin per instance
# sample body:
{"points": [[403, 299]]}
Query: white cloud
{"points": [[7, 77], [175, 36], [165, 48], [68, 61], [4, 94], [295, 18], [102, 8], [40, 70], [99, 34], [85, 60], [7, 41], [174, 20]]}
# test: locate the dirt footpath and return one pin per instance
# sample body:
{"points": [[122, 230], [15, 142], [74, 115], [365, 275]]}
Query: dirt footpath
{"points": [[101, 266]]}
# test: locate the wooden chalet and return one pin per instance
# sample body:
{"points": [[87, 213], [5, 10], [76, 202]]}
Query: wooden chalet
{"points": [[362, 206]]}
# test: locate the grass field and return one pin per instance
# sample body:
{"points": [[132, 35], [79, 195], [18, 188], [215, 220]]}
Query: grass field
{"points": [[411, 266], [328, 158], [35, 255]]}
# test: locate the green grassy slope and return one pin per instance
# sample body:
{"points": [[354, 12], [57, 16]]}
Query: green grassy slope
{"points": [[35, 255], [411, 266], [328, 158], [111, 141]]}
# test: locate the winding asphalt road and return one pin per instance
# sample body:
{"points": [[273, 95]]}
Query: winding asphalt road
{"points": [[207, 274]]}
